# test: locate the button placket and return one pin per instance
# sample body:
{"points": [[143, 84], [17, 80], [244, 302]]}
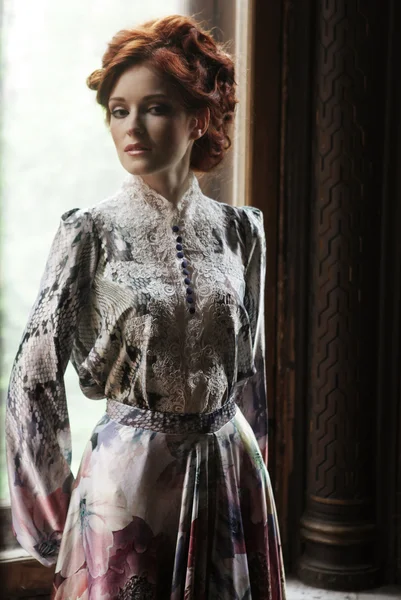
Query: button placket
{"points": [[184, 265]]}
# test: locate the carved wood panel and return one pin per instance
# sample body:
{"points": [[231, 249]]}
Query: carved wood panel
{"points": [[339, 525]]}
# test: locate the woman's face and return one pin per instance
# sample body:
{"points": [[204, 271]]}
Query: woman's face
{"points": [[145, 111]]}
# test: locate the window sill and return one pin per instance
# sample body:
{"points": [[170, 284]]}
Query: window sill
{"points": [[23, 576]]}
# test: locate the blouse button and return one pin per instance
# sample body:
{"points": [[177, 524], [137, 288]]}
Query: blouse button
{"points": [[179, 247], [189, 290], [184, 264], [192, 309], [179, 239], [176, 228], [187, 280], [180, 254], [190, 299], [185, 271]]}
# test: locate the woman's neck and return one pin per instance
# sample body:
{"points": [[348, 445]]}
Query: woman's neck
{"points": [[171, 186]]}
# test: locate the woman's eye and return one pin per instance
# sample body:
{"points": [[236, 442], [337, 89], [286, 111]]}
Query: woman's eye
{"points": [[156, 109], [159, 109], [118, 110]]}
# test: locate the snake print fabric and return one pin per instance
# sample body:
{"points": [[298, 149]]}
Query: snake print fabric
{"points": [[172, 422]]}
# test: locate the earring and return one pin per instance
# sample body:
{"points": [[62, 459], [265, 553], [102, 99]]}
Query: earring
{"points": [[200, 132]]}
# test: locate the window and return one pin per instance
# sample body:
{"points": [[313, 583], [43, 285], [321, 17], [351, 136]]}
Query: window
{"points": [[57, 152], [57, 155]]}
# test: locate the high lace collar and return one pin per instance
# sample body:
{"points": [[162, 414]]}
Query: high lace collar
{"points": [[136, 187]]}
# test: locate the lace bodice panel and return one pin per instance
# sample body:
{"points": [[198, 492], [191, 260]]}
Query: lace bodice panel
{"points": [[137, 341]]}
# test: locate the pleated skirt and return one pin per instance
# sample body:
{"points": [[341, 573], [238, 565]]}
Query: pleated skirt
{"points": [[171, 506]]}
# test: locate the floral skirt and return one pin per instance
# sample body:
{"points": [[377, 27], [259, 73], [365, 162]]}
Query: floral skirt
{"points": [[171, 507]]}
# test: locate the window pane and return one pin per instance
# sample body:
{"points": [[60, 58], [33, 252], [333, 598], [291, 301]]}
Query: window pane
{"points": [[57, 152]]}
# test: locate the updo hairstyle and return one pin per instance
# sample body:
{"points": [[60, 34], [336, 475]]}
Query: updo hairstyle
{"points": [[199, 68]]}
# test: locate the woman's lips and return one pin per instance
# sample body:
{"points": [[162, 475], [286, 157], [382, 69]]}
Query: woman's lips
{"points": [[137, 152], [136, 148]]}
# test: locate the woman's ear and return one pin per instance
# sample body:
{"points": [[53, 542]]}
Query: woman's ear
{"points": [[201, 123]]}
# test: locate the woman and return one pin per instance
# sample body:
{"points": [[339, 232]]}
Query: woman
{"points": [[156, 295]]}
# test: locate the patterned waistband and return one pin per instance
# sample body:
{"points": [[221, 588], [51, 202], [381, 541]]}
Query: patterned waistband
{"points": [[169, 422]]}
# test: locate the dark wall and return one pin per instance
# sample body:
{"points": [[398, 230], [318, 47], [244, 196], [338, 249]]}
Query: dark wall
{"points": [[334, 304]]}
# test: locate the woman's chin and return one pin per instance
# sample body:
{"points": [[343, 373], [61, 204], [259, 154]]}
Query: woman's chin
{"points": [[143, 166], [138, 165]]}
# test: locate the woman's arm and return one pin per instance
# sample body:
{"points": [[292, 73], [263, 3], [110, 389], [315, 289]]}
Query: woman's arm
{"points": [[38, 440], [253, 395]]}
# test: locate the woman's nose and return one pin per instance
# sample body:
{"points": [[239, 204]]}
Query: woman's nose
{"points": [[136, 124]]}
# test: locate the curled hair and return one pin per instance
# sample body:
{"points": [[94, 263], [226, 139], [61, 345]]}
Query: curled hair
{"points": [[198, 66]]}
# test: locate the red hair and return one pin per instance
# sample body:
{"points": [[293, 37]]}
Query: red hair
{"points": [[198, 66]]}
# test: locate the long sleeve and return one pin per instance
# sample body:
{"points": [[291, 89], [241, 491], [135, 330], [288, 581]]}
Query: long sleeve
{"points": [[252, 394], [38, 441]]}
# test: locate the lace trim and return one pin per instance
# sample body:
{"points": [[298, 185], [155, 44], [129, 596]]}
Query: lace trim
{"points": [[136, 187]]}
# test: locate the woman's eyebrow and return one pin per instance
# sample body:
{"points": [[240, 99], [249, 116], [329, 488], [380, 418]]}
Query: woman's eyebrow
{"points": [[148, 97]]}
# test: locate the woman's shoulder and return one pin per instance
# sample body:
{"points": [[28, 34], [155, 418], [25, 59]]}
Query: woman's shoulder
{"points": [[77, 220], [88, 219], [220, 206], [93, 215], [75, 216], [251, 212], [242, 211], [250, 218]]}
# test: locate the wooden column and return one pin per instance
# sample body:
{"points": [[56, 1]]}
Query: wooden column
{"points": [[389, 347], [338, 527]]}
